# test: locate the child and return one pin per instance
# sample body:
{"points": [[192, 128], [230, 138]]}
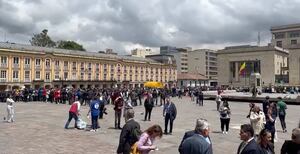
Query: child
{"points": [[10, 110]]}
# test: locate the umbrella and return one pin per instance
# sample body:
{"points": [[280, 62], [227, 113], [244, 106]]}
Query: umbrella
{"points": [[153, 84]]}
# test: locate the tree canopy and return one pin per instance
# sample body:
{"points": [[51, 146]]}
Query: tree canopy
{"points": [[70, 45], [42, 40]]}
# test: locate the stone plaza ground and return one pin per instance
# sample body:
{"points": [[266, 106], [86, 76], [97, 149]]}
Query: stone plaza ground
{"points": [[39, 128]]}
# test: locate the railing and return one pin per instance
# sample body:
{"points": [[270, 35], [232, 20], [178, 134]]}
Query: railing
{"points": [[27, 80], [2, 80], [16, 80], [37, 66], [16, 65], [3, 65], [27, 66], [48, 67]]}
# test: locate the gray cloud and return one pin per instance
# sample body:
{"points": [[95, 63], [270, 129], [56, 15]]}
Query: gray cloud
{"points": [[121, 24]]}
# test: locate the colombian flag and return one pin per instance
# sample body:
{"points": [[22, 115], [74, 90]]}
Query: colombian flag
{"points": [[242, 68]]}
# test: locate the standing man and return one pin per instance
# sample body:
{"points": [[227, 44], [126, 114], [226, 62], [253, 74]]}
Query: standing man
{"points": [[169, 113], [248, 145], [266, 104], [73, 113], [118, 111], [199, 143], [94, 109], [201, 98], [148, 104], [130, 133]]}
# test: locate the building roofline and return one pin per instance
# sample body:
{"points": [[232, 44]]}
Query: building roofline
{"points": [[45, 50], [281, 27], [244, 49]]}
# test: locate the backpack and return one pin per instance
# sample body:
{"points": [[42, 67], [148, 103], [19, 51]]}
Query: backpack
{"points": [[134, 149]]}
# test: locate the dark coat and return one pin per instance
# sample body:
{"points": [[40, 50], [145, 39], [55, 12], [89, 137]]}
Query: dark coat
{"points": [[265, 150], [129, 135], [290, 147], [196, 144], [251, 148], [186, 135], [173, 110]]}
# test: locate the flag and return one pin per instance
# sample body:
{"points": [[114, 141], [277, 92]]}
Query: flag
{"points": [[242, 68]]}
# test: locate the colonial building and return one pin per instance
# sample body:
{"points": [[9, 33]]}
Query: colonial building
{"points": [[29, 66], [271, 62], [204, 61]]}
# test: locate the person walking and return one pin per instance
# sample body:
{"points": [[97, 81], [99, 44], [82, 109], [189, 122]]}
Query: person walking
{"points": [[270, 120], [257, 120], [264, 142], [218, 100], [248, 144], [282, 113], [130, 133], [200, 97], [94, 110], [148, 104], [74, 112], [199, 143], [146, 141], [225, 113], [10, 110], [169, 112], [266, 104]]}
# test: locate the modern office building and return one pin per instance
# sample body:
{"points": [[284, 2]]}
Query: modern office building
{"points": [[269, 61], [30, 66], [180, 55], [140, 52], [204, 62]]}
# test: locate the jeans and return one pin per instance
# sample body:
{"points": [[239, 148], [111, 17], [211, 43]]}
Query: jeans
{"points": [[218, 105], [94, 122], [225, 122], [71, 116], [282, 121], [118, 119], [148, 113], [167, 119]]}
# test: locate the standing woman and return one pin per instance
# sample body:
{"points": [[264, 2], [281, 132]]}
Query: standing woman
{"points": [[148, 104], [225, 116], [264, 142], [145, 143], [270, 121], [257, 120]]}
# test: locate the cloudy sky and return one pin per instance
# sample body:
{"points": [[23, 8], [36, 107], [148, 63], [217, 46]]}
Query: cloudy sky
{"points": [[126, 24]]}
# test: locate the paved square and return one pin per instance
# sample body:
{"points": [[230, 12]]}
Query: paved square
{"points": [[39, 128]]}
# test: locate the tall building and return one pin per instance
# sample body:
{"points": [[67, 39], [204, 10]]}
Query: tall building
{"points": [[204, 61], [140, 52], [180, 55], [288, 37], [269, 61], [30, 66]]}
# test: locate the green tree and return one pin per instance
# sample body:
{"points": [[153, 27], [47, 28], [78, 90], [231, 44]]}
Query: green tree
{"points": [[42, 40], [70, 45]]}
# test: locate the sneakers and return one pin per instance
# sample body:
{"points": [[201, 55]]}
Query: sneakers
{"points": [[223, 132], [226, 132], [92, 130]]}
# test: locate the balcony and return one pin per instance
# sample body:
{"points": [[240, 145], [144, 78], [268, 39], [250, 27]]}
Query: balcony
{"points": [[57, 68], [3, 65], [27, 80], [38, 67], [16, 80], [66, 68], [47, 80], [16, 65], [3, 80], [27, 66], [47, 67]]}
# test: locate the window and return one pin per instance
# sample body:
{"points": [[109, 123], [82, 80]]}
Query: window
{"points": [[111, 76], [3, 60], [66, 64], [90, 66], [15, 74], [97, 67], [279, 43], [27, 61], [74, 66], [279, 35], [16, 61], [82, 66], [119, 77], [47, 63], [37, 75], [295, 34], [47, 77], [293, 41], [104, 76], [74, 75], [3, 74], [125, 77], [89, 76], [97, 76], [56, 76], [27, 74], [57, 63], [81, 76], [130, 77], [37, 62], [66, 75]]}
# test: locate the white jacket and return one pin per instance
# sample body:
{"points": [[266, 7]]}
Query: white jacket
{"points": [[257, 121]]}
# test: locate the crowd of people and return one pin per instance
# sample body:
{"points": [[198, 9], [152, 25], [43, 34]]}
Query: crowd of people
{"points": [[257, 137]]}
